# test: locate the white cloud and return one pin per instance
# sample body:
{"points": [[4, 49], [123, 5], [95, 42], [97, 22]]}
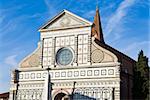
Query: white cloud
{"points": [[6, 66], [50, 7], [116, 19], [1, 19], [5, 12], [90, 14], [11, 60], [47, 4], [136, 45], [134, 48], [10, 26]]}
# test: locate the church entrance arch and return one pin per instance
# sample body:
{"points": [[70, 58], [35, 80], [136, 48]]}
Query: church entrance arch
{"points": [[60, 96]]}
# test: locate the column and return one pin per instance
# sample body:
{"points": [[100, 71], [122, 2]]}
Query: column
{"points": [[76, 51], [89, 48], [40, 46]]}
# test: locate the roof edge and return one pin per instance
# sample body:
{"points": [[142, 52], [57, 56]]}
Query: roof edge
{"points": [[113, 50]]}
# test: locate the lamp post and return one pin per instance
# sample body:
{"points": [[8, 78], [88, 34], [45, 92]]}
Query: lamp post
{"points": [[73, 90], [15, 79]]}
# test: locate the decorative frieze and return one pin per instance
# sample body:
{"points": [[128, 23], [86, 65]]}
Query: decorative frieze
{"points": [[30, 85], [70, 73], [90, 84]]}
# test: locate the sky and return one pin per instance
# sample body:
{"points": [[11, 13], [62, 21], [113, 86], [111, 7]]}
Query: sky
{"points": [[125, 27]]}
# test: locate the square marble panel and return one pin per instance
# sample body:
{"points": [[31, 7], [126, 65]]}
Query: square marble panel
{"points": [[26, 76], [80, 49], [85, 48], [89, 73], [80, 39], [76, 73], [20, 76], [110, 71], [67, 41], [58, 41], [85, 58], [103, 72], [49, 51], [69, 73], [82, 73], [80, 59], [85, 39], [63, 74], [32, 75], [44, 74], [49, 60], [57, 74], [44, 61], [72, 40], [45, 43], [96, 72], [62, 41], [45, 52], [49, 42], [38, 75]]}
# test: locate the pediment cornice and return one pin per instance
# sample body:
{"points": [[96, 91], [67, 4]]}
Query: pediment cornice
{"points": [[65, 20]]}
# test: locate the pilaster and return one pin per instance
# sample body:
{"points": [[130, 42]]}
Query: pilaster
{"points": [[76, 51], [53, 51]]}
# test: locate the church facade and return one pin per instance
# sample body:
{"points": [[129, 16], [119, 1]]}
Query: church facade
{"points": [[81, 65]]}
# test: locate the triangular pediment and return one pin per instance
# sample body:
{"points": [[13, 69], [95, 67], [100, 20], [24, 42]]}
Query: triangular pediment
{"points": [[65, 19]]}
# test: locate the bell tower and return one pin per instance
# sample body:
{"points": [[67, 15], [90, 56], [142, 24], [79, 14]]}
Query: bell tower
{"points": [[97, 27]]}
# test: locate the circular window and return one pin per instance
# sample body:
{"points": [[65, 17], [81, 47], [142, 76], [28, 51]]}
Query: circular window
{"points": [[64, 56]]}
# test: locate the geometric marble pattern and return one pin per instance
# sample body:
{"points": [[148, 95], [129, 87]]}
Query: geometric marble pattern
{"points": [[82, 49], [47, 51], [97, 56], [65, 41]]}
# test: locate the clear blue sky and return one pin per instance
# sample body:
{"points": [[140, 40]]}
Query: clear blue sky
{"points": [[124, 22]]}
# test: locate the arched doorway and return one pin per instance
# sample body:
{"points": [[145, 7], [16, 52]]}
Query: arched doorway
{"points": [[60, 96]]}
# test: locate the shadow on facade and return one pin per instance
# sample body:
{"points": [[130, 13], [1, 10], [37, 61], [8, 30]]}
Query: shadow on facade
{"points": [[78, 96]]}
